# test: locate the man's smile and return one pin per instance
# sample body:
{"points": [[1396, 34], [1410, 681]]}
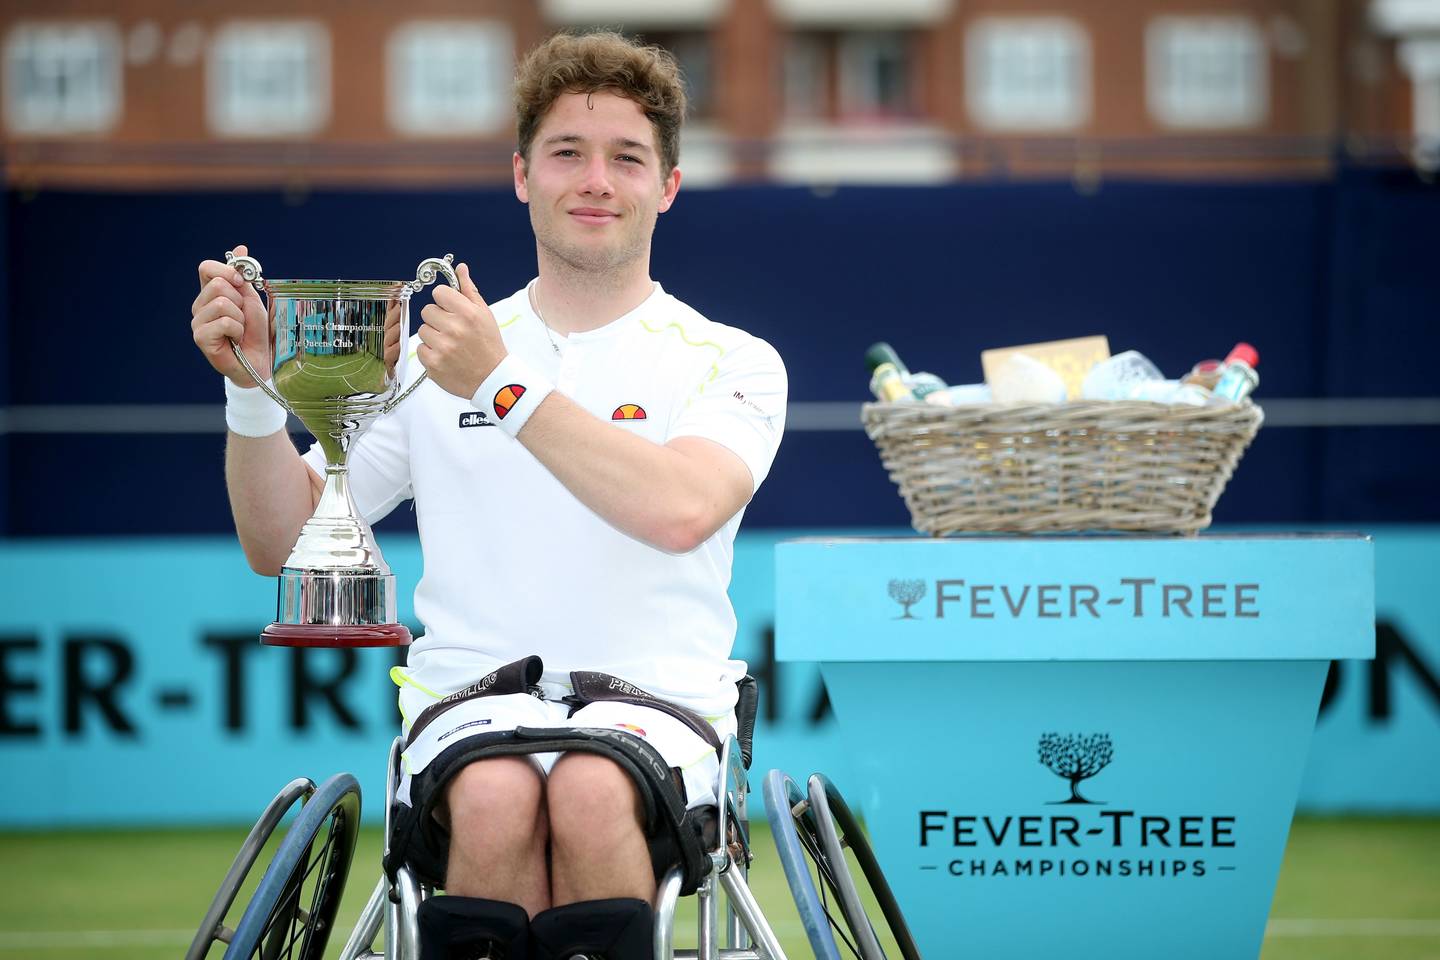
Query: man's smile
{"points": [[593, 215]]}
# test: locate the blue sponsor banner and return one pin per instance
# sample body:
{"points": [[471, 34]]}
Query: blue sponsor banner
{"points": [[1379, 722], [132, 688], [1242, 597], [1081, 785]]}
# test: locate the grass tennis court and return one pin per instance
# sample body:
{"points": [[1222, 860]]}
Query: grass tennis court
{"points": [[1353, 888]]}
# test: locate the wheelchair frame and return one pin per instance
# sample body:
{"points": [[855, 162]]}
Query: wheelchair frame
{"points": [[747, 932], [805, 826]]}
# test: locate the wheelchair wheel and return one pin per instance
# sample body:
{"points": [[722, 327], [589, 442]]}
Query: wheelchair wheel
{"points": [[838, 831], [794, 843], [293, 911], [812, 831], [213, 928]]}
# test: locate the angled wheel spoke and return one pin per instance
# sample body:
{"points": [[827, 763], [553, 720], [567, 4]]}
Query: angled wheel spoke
{"points": [[290, 910], [824, 872]]}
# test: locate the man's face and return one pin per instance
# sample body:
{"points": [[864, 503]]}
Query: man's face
{"points": [[593, 182]]}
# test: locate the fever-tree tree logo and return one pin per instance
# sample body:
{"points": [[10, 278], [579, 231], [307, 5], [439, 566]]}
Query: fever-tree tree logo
{"points": [[907, 593], [1074, 758]]}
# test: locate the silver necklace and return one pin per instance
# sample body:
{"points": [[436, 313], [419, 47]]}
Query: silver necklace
{"points": [[535, 305]]}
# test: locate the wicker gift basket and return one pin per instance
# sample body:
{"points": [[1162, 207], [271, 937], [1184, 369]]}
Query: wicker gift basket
{"points": [[1086, 465]]}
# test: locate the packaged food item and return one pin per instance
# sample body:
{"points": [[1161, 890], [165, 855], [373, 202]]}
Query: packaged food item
{"points": [[1238, 378], [963, 395], [1205, 374], [1071, 359], [1116, 378], [1168, 391], [1023, 379]]}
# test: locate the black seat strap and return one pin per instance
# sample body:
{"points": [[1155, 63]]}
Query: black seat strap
{"points": [[591, 686], [519, 676]]}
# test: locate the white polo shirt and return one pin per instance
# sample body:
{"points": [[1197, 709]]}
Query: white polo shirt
{"points": [[515, 564]]}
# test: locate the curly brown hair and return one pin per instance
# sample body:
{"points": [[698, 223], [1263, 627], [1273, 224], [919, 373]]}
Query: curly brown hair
{"points": [[602, 60]]}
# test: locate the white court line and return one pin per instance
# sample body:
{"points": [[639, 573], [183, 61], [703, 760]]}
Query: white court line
{"points": [[95, 939], [801, 416], [115, 939], [1290, 927]]}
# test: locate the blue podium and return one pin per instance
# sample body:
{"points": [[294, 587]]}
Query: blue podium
{"points": [[1079, 747]]}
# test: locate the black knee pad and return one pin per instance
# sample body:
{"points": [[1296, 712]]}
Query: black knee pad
{"points": [[466, 928], [622, 929]]}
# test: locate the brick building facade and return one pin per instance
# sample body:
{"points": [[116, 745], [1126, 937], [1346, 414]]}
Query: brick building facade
{"points": [[147, 93]]}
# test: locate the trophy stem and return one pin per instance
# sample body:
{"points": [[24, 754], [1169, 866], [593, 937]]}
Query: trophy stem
{"points": [[336, 589], [336, 502], [336, 539]]}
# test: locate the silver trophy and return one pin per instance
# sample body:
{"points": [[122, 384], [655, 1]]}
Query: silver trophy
{"points": [[338, 352]]}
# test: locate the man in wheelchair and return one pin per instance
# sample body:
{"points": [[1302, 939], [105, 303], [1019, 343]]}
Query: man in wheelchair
{"points": [[577, 552], [573, 798]]}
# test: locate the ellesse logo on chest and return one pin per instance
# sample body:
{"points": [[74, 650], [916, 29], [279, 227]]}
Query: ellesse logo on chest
{"points": [[629, 411], [474, 418]]}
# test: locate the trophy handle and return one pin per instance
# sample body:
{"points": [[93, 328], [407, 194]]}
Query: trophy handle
{"points": [[425, 275], [250, 271]]}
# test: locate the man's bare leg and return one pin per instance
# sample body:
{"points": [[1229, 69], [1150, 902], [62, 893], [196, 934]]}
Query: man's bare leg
{"points": [[597, 843], [498, 833]]}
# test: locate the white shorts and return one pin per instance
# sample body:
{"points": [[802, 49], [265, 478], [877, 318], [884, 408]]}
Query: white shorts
{"points": [[681, 747]]}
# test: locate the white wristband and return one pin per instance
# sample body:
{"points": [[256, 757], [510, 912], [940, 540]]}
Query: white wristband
{"points": [[510, 394], [250, 412]]}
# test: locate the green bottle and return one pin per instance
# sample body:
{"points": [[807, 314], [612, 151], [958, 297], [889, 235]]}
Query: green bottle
{"points": [[891, 380]]}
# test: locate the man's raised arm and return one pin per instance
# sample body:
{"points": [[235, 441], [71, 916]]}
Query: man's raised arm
{"points": [[272, 491], [672, 496]]}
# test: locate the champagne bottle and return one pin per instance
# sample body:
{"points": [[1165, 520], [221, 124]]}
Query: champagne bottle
{"points": [[891, 380]]}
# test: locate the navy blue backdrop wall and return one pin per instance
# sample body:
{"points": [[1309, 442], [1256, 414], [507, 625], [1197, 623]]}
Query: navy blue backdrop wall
{"points": [[122, 654], [1334, 281]]}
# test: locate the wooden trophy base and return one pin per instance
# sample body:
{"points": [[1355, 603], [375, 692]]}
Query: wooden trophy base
{"points": [[328, 635]]}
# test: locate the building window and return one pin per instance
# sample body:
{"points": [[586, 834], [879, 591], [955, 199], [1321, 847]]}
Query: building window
{"points": [[1206, 72], [450, 78], [1030, 73], [806, 77], [1420, 58], [269, 79], [695, 54], [851, 76], [876, 73], [62, 78]]}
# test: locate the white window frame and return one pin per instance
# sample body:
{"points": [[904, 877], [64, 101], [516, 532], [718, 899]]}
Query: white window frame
{"points": [[1244, 103], [425, 44], [850, 14], [805, 76], [995, 108], [238, 41], [1420, 58], [94, 108], [697, 47], [671, 14], [855, 53]]}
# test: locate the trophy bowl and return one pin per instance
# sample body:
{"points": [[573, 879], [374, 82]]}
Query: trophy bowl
{"points": [[338, 357]]}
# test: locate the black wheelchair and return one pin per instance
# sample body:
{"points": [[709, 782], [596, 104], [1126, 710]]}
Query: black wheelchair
{"points": [[291, 915]]}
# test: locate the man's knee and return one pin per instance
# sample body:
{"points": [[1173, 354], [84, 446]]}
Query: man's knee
{"points": [[588, 795], [498, 791]]}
